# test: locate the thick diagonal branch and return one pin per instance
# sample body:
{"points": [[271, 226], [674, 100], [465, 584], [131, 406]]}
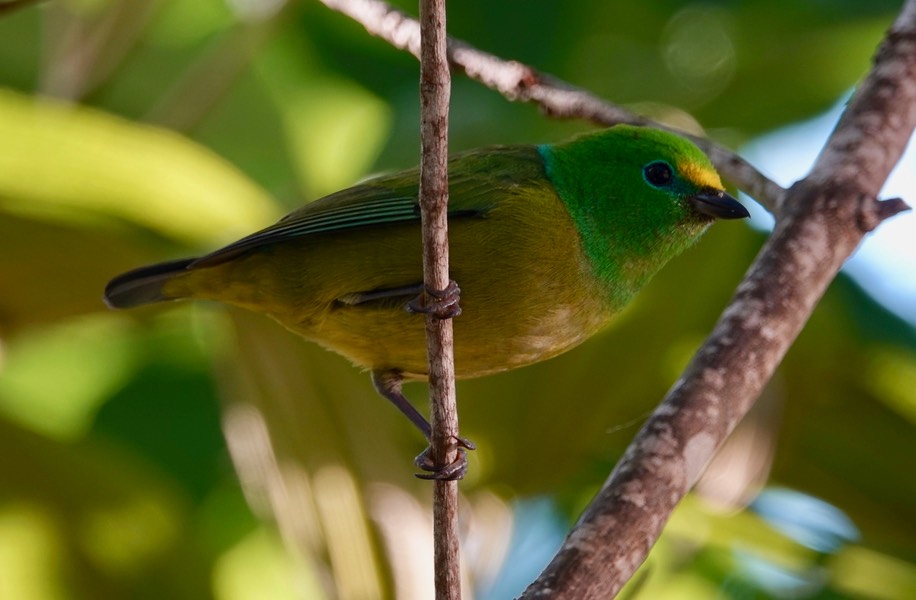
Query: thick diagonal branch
{"points": [[825, 217]]}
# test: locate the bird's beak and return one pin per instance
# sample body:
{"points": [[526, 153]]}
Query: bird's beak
{"points": [[718, 204]]}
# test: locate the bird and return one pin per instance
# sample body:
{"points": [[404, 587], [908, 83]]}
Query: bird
{"points": [[547, 242]]}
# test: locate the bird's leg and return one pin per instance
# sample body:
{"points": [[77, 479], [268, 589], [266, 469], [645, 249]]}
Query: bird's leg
{"points": [[388, 384], [441, 303], [358, 298], [455, 470]]}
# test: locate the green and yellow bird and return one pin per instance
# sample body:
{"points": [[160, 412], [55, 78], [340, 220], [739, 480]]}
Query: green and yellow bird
{"points": [[547, 243]]}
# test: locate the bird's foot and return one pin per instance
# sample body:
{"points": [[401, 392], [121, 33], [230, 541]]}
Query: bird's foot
{"points": [[450, 472], [442, 304]]}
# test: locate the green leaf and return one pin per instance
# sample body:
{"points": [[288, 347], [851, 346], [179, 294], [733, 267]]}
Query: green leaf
{"points": [[69, 162]]}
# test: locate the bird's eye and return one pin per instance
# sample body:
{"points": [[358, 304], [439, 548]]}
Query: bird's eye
{"points": [[658, 174]]}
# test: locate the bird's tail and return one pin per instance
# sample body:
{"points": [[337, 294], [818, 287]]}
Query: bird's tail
{"points": [[143, 285]]}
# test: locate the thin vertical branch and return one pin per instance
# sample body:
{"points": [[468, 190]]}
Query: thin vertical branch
{"points": [[435, 87]]}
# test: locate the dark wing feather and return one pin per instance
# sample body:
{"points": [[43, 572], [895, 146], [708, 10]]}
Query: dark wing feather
{"points": [[475, 178], [324, 216]]}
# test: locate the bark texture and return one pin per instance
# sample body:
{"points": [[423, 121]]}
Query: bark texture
{"points": [[435, 88]]}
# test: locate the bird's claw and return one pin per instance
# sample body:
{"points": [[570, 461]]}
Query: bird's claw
{"points": [[450, 472], [442, 304]]}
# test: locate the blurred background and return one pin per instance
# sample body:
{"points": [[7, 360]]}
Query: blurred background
{"points": [[184, 451]]}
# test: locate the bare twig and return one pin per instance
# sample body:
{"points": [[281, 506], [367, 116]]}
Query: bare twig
{"points": [[522, 83], [435, 87]]}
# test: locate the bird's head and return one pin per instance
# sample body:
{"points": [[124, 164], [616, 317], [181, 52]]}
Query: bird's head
{"points": [[638, 197], [639, 179], [679, 170]]}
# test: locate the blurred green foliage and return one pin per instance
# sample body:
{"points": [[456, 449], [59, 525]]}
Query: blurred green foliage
{"points": [[133, 131]]}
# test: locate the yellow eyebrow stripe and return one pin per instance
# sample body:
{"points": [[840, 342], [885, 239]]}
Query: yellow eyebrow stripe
{"points": [[700, 174]]}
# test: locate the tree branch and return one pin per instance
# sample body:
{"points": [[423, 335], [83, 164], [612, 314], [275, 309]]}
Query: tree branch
{"points": [[820, 221], [522, 83], [825, 217], [435, 87]]}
